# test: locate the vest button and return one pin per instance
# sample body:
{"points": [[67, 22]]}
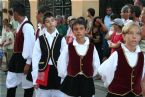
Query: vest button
{"points": [[132, 76], [132, 83], [131, 89]]}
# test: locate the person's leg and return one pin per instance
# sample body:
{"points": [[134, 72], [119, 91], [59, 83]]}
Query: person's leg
{"points": [[43, 93], [88, 96], [65, 95], [58, 93], [28, 92], [11, 83], [27, 86], [11, 92], [0, 63]]}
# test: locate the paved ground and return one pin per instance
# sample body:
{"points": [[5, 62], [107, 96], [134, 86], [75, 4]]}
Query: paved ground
{"points": [[100, 90]]}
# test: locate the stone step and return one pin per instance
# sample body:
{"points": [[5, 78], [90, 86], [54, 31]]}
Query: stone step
{"points": [[99, 85]]}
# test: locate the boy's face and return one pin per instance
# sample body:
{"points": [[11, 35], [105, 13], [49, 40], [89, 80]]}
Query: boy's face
{"points": [[124, 15], [133, 37], [39, 17], [50, 23], [142, 16], [115, 27], [108, 11], [79, 31], [16, 16]]}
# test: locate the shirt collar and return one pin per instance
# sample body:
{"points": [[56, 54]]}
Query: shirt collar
{"points": [[52, 34], [126, 49], [25, 19], [75, 43]]}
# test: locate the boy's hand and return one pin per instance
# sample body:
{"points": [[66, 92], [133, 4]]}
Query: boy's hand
{"points": [[36, 86], [26, 68]]}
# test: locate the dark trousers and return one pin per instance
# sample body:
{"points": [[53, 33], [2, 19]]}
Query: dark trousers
{"points": [[11, 92], [127, 95]]}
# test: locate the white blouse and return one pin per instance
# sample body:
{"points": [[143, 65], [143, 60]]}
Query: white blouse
{"points": [[81, 49], [108, 67], [29, 40], [36, 56]]}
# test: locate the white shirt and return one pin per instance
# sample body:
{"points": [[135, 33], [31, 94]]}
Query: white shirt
{"points": [[41, 32], [107, 22], [81, 49], [29, 40], [37, 52], [108, 67]]}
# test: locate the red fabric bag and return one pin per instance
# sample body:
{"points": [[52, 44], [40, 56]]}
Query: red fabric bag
{"points": [[43, 77]]}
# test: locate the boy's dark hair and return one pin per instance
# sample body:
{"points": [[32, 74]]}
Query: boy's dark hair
{"points": [[80, 22], [113, 16], [136, 10], [91, 11], [108, 6], [47, 14], [43, 9], [19, 8], [10, 12], [82, 18]]}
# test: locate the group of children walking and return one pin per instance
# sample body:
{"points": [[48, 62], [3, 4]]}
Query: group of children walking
{"points": [[67, 70]]}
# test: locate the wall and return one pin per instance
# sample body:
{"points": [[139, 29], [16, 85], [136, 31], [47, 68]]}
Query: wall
{"points": [[79, 7], [33, 10], [5, 5]]}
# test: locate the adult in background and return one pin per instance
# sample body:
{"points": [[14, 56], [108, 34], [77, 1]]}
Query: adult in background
{"points": [[41, 11], [107, 20], [20, 61], [90, 17], [12, 20]]}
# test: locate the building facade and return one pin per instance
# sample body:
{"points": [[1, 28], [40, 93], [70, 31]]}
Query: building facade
{"points": [[58, 7]]}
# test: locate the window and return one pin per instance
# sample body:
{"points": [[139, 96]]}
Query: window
{"points": [[58, 7]]}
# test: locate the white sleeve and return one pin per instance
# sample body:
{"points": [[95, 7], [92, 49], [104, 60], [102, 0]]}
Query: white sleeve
{"points": [[63, 63], [63, 44], [108, 68], [29, 41], [35, 60], [96, 62]]}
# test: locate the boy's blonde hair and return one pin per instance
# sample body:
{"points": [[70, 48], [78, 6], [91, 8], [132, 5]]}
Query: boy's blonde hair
{"points": [[129, 26]]}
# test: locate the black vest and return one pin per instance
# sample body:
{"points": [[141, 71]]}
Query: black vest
{"points": [[49, 53]]}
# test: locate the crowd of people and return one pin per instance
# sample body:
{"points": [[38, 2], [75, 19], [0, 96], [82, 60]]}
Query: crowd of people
{"points": [[63, 56]]}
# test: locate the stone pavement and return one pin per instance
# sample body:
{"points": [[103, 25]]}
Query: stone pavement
{"points": [[98, 85], [3, 89]]}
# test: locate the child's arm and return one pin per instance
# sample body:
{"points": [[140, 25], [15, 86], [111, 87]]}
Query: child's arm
{"points": [[63, 44], [115, 45], [107, 68], [62, 63], [96, 62], [8, 42], [36, 55]]}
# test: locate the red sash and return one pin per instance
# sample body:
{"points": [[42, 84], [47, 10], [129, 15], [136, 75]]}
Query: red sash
{"points": [[43, 77]]}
